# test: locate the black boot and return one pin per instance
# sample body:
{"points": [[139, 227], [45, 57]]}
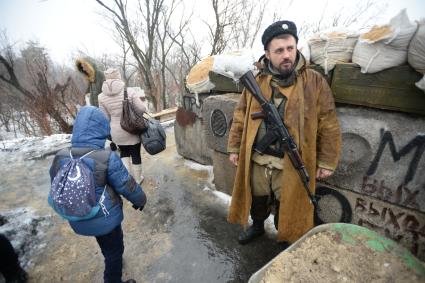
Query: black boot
{"points": [[253, 232], [260, 210]]}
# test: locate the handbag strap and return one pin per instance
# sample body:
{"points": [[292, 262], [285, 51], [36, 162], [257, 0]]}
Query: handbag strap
{"points": [[125, 94]]}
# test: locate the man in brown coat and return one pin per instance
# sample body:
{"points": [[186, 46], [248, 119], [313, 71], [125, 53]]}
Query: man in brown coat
{"points": [[304, 100]]}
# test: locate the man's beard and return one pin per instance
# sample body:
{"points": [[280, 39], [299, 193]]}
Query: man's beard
{"points": [[286, 72]]}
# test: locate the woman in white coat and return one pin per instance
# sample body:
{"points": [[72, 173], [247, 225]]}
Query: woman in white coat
{"points": [[110, 102]]}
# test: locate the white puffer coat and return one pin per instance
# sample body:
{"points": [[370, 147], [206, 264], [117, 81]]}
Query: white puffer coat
{"points": [[110, 102]]}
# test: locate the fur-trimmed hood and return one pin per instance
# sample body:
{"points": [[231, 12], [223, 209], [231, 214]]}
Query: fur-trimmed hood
{"points": [[86, 67]]}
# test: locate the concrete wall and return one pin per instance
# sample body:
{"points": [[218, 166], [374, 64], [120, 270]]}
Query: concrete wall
{"points": [[382, 156]]}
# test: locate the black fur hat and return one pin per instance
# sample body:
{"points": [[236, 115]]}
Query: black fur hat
{"points": [[278, 28]]}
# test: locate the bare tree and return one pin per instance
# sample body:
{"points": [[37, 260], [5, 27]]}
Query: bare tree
{"points": [[245, 29], [143, 53], [168, 34], [362, 16], [189, 50], [226, 13], [31, 84], [182, 59]]}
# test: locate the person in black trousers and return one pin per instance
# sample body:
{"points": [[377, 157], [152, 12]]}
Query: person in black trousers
{"points": [[10, 267]]}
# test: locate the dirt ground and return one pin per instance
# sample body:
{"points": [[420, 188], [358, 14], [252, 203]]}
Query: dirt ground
{"points": [[324, 257], [72, 258]]}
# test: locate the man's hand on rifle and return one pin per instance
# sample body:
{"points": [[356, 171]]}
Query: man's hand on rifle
{"points": [[234, 157], [323, 173]]}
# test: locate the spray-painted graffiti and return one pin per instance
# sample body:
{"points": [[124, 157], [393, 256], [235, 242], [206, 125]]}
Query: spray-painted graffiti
{"points": [[396, 223], [417, 142], [401, 195]]}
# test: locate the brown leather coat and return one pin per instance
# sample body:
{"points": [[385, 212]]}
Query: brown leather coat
{"points": [[312, 121]]}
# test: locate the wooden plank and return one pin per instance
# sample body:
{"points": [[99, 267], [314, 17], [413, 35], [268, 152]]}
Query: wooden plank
{"points": [[165, 114], [392, 89]]}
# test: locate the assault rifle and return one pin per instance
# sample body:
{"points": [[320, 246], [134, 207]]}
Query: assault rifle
{"points": [[271, 114]]}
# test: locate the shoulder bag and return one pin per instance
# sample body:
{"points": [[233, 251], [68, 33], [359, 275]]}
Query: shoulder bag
{"points": [[132, 119]]}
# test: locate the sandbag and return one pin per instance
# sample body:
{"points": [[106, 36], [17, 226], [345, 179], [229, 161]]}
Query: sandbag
{"points": [[198, 81], [416, 52], [234, 64], [384, 46], [331, 47], [304, 48]]}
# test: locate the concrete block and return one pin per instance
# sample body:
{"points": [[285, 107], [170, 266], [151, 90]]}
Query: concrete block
{"points": [[382, 156], [224, 172], [218, 115], [189, 130]]}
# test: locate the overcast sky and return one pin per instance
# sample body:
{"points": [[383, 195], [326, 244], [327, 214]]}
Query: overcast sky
{"points": [[63, 26]]}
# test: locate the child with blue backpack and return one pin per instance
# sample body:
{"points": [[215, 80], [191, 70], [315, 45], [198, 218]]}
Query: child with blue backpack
{"points": [[87, 184]]}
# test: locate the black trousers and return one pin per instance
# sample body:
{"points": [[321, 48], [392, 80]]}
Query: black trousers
{"points": [[112, 247], [132, 151], [9, 263]]}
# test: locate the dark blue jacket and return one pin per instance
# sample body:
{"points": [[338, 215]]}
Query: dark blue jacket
{"points": [[90, 130]]}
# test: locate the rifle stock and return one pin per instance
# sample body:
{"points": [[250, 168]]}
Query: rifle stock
{"points": [[271, 113]]}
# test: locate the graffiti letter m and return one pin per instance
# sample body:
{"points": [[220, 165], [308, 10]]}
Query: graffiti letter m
{"points": [[418, 142]]}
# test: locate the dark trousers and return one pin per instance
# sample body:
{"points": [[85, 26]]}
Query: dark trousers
{"points": [[112, 247], [132, 151], [9, 263]]}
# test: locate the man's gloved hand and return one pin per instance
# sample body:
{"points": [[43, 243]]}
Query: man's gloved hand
{"points": [[138, 207], [113, 146]]}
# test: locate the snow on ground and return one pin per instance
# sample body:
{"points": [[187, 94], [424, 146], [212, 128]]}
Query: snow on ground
{"points": [[226, 199], [33, 147], [40, 147], [223, 197], [199, 167], [26, 231]]}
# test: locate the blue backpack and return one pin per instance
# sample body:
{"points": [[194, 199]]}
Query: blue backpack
{"points": [[72, 193]]}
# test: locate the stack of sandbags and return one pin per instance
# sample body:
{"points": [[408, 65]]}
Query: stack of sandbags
{"points": [[232, 65], [331, 47], [416, 53], [384, 46], [198, 81]]}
